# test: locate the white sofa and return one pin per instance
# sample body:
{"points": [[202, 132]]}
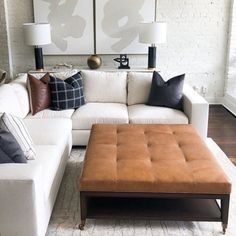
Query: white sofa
{"points": [[28, 191], [121, 97]]}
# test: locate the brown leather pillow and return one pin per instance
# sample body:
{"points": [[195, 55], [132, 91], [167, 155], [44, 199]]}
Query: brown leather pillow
{"points": [[39, 93]]}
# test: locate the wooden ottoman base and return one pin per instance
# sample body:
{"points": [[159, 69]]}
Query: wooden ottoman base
{"points": [[152, 206]]}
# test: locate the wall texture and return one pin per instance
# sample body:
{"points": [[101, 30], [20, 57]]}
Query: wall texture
{"points": [[196, 42], [229, 99], [4, 55], [231, 69]]}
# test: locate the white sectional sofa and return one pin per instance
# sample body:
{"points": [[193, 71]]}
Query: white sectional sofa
{"points": [[28, 191]]}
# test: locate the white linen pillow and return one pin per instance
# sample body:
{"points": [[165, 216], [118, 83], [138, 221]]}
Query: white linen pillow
{"points": [[139, 85], [102, 86], [17, 128]]}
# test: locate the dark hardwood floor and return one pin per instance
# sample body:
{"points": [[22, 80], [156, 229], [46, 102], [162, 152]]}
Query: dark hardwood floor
{"points": [[222, 129]]}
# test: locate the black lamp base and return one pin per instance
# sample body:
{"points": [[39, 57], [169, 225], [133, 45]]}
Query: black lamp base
{"points": [[38, 52], [151, 57]]}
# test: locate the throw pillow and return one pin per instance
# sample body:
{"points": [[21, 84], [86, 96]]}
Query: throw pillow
{"points": [[167, 94], [66, 94], [17, 128], [10, 151], [39, 93]]}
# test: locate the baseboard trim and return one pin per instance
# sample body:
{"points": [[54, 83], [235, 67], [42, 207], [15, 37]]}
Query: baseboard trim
{"points": [[229, 102], [214, 100]]}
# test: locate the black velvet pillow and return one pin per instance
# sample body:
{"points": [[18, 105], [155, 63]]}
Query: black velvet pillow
{"points": [[166, 94], [10, 151]]}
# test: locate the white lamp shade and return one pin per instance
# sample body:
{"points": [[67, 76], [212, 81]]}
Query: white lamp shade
{"points": [[37, 33], [152, 32]]}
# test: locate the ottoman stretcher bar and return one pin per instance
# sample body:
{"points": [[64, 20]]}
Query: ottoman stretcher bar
{"points": [[162, 172]]}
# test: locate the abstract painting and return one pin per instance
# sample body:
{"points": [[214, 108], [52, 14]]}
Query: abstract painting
{"points": [[117, 25], [71, 25]]}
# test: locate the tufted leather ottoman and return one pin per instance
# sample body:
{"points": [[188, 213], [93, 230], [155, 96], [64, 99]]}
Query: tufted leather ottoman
{"points": [[128, 163]]}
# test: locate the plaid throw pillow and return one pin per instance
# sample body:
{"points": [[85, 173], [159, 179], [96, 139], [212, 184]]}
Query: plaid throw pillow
{"points": [[66, 94]]}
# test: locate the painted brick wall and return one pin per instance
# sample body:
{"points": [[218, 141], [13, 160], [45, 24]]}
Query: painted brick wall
{"points": [[4, 57], [196, 42]]}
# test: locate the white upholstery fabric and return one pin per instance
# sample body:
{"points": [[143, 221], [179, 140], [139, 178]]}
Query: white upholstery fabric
{"points": [[21, 199], [9, 102], [197, 110], [49, 157], [93, 113], [51, 114], [30, 190], [22, 95], [143, 114], [104, 86], [49, 202], [139, 84], [49, 131], [80, 137]]}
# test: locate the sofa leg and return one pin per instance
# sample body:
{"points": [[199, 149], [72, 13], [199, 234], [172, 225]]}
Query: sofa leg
{"points": [[81, 225], [225, 212], [224, 227]]}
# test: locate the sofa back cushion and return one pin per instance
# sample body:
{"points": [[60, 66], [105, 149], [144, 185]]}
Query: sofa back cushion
{"points": [[104, 86], [9, 101], [139, 84]]}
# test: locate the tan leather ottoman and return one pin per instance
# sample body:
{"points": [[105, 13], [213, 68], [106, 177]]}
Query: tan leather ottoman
{"points": [[133, 166]]}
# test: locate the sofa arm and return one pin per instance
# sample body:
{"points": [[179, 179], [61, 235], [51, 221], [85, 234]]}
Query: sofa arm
{"points": [[197, 110], [21, 199]]}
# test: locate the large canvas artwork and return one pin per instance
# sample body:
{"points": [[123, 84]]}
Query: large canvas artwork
{"points": [[71, 25], [117, 25]]}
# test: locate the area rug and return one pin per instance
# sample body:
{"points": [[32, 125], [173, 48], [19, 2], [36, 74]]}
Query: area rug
{"points": [[65, 216]]}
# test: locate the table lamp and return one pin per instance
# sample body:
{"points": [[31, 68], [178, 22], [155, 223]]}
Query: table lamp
{"points": [[152, 33], [37, 34]]}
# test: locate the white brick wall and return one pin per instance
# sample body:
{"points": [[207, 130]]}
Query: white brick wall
{"points": [[4, 57], [231, 70], [196, 42]]}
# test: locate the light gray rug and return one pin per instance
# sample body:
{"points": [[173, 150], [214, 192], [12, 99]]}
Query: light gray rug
{"points": [[65, 215]]}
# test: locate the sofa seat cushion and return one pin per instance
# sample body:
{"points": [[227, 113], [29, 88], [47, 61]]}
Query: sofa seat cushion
{"points": [[143, 114], [51, 114], [105, 113], [49, 131]]}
